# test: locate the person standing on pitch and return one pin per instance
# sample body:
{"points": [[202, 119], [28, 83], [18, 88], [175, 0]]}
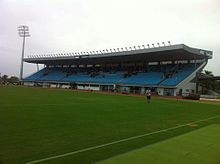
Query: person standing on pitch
{"points": [[148, 95]]}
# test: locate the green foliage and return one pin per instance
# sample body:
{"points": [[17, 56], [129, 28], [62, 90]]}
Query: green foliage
{"points": [[209, 73], [209, 84], [9, 80]]}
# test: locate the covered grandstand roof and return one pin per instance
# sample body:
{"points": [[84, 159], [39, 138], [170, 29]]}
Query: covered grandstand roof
{"points": [[165, 53]]}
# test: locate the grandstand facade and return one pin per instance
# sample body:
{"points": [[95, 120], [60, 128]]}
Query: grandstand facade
{"points": [[168, 70]]}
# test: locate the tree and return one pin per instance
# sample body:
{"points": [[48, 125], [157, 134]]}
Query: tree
{"points": [[209, 84], [13, 80], [4, 78], [9, 80], [0, 79], [209, 73]]}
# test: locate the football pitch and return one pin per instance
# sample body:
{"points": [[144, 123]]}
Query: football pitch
{"points": [[63, 126], [199, 146]]}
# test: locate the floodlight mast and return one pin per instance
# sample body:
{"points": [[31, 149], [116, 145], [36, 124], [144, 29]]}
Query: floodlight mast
{"points": [[23, 31]]}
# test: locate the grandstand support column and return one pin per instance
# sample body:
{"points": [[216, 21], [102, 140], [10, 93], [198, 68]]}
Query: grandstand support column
{"points": [[197, 84], [23, 31], [37, 67]]}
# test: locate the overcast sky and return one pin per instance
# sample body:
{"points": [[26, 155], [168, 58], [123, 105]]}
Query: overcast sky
{"points": [[58, 26]]}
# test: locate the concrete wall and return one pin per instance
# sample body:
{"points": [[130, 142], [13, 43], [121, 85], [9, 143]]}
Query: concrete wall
{"points": [[160, 91], [53, 86], [65, 86], [87, 87], [28, 83], [186, 88]]}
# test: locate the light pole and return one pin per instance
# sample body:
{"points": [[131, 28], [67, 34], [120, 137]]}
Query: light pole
{"points": [[23, 31]]}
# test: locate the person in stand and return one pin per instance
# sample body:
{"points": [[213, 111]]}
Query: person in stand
{"points": [[148, 95]]}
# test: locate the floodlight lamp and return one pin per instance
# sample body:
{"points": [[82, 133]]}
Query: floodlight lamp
{"points": [[169, 43]]}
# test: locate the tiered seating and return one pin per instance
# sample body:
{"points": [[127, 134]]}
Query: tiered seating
{"points": [[79, 77], [150, 78], [36, 75], [179, 76], [164, 75], [108, 78], [54, 74]]}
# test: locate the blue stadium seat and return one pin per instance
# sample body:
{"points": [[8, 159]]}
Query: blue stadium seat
{"points": [[179, 76], [78, 77], [36, 75], [53, 74], [108, 78], [149, 78], [155, 75]]}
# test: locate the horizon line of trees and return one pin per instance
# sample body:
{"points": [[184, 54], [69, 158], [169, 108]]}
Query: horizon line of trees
{"points": [[5, 80]]}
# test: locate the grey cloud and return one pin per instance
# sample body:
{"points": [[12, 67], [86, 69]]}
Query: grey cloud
{"points": [[79, 25]]}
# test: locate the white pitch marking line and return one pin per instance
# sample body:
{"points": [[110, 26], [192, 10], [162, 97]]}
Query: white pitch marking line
{"points": [[119, 141]]}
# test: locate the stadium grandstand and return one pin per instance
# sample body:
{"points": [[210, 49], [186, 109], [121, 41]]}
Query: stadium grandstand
{"points": [[167, 70]]}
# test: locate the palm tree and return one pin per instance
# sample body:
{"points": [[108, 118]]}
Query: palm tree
{"points": [[208, 83], [209, 73]]}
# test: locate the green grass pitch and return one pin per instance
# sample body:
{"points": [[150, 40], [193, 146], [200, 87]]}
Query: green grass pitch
{"points": [[37, 123], [199, 146]]}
